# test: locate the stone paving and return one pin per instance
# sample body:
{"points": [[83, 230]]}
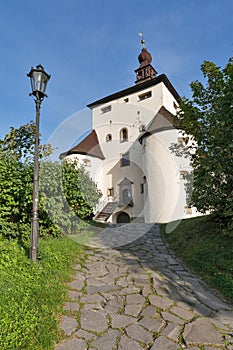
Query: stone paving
{"points": [[138, 296]]}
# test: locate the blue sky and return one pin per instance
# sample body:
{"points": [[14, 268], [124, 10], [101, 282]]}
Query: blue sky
{"points": [[90, 48]]}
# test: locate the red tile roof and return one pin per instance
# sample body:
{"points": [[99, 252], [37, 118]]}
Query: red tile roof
{"points": [[89, 146], [163, 120]]}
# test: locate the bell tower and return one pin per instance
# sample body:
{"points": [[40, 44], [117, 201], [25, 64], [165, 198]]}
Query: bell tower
{"points": [[145, 71]]}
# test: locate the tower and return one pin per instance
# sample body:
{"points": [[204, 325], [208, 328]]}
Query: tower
{"points": [[128, 151], [145, 71]]}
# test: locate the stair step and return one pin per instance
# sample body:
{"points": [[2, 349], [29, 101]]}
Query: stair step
{"points": [[106, 211]]}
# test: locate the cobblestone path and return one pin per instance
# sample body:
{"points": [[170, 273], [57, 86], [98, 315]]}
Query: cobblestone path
{"points": [[139, 297]]}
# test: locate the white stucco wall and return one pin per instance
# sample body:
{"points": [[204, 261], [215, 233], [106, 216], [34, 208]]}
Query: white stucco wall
{"points": [[168, 101], [161, 168], [130, 109], [166, 195]]}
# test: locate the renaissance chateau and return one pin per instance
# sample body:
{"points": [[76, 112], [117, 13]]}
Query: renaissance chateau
{"points": [[128, 152]]}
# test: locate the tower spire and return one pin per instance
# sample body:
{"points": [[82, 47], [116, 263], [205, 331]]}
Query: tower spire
{"points": [[142, 40], [145, 70]]}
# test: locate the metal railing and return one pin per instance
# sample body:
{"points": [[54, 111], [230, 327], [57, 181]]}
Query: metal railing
{"points": [[100, 206]]}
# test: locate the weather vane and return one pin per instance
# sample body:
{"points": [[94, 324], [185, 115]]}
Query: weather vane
{"points": [[142, 40]]}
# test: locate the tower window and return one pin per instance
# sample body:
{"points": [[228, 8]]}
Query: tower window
{"points": [[109, 137], [125, 161], [106, 109], [145, 96], [124, 135], [141, 188]]}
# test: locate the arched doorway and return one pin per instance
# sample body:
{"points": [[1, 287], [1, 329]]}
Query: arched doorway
{"points": [[123, 218]]}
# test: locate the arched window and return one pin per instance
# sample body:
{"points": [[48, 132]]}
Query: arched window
{"points": [[124, 135], [108, 138]]}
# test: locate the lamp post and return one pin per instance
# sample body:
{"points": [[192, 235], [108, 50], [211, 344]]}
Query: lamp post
{"points": [[39, 79]]}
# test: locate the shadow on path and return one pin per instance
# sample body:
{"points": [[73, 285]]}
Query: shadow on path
{"points": [[137, 296]]}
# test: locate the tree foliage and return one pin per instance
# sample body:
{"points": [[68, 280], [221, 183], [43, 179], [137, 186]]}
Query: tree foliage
{"points": [[79, 189], [19, 143], [208, 117], [67, 194]]}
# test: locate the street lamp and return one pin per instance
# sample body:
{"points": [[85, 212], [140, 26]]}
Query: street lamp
{"points": [[39, 79]]}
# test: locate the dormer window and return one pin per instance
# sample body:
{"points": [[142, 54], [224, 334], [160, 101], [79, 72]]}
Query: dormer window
{"points": [[109, 137], [123, 135]]}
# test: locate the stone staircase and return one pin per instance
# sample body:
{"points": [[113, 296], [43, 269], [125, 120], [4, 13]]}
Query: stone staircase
{"points": [[106, 211]]}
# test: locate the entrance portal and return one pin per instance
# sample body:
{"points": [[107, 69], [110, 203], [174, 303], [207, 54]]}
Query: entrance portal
{"points": [[123, 218]]}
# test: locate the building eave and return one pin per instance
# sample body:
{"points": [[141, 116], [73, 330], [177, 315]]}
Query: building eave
{"points": [[136, 88]]}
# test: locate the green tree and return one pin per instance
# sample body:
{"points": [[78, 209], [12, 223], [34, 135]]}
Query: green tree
{"points": [[68, 194], [16, 179], [19, 142], [208, 117], [80, 191]]}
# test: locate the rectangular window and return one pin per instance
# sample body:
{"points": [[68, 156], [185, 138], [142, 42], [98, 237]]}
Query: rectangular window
{"points": [[125, 161], [141, 188], [106, 109], [145, 96], [110, 192]]}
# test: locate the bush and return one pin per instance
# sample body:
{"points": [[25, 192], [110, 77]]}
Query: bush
{"points": [[67, 194]]}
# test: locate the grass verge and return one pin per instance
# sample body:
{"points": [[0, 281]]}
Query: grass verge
{"points": [[32, 294], [206, 251]]}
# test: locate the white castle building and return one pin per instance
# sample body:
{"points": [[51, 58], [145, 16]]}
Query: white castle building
{"points": [[128, 153]]}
